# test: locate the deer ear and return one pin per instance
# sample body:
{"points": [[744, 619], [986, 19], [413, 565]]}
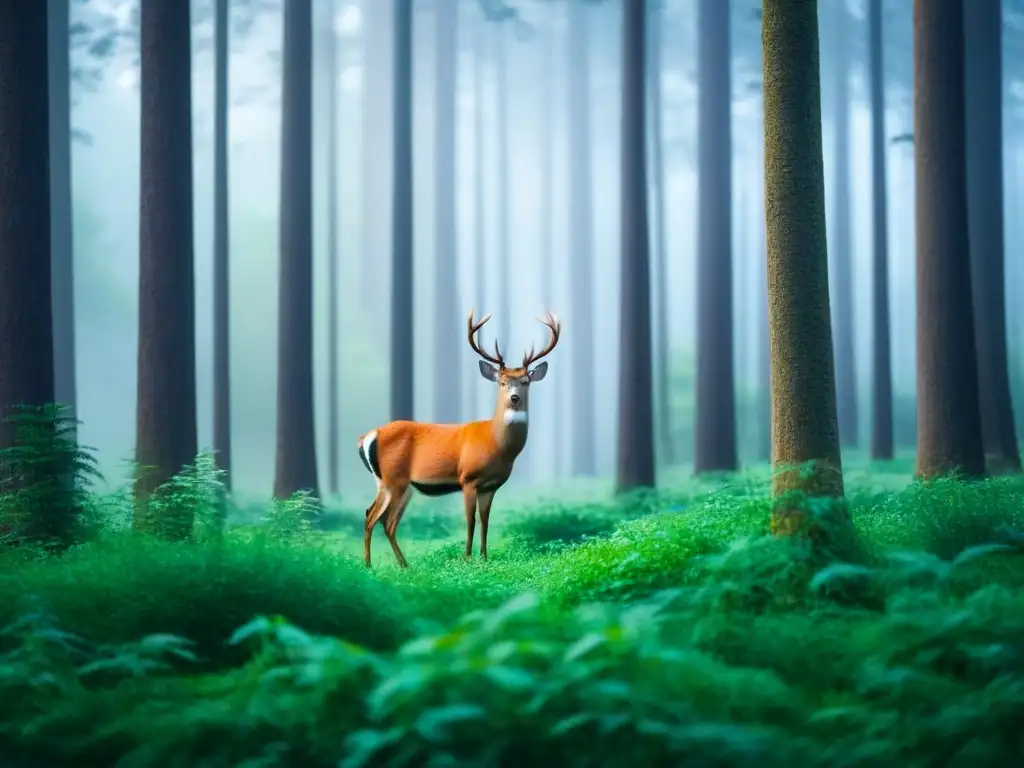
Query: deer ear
{"points": [[488, 371], [539, 372]]}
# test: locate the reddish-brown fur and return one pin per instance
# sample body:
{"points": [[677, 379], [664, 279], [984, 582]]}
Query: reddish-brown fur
{"points": [[474, 457]]}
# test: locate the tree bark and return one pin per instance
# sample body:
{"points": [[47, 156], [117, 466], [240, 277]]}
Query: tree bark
{"points": [[804, 422], [333, 341], [663, 354], [402, 218], [166, 402], [636, 417], [296, 468], [26, 324], [447, 305], [479, 193], [501, 115], [61, 230], [842, 246], [881, 367], [221, 248], [948, 416], [984, 147], [581, 241], [715, 420]]}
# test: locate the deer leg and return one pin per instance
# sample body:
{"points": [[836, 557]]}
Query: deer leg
{"points": [[485, 516], [469, 497], [379, 506], [391, 526]]}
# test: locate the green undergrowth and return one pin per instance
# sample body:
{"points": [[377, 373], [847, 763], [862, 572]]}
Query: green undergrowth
{"points": [[662, 628]]}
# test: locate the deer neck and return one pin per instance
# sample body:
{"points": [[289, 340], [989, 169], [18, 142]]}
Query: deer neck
{"points": [[510, 428]]}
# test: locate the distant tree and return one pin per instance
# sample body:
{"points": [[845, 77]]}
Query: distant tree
{"points": [[715, 421], [296, 438], [636, 417], [166, 400], [480, 49], [402, 217], [804, 424], [581, 242], [221, 247], [663, 345], [330, 39], [881, 364], [501, 95], [948, 417], [447, 305], [984, 147], [842, 244], [62, 261]]}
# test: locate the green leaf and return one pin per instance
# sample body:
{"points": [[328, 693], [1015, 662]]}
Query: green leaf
{"points": [[434, 724]]}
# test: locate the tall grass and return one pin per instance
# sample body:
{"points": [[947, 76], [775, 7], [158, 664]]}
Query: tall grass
{"points": [[664, 628]]}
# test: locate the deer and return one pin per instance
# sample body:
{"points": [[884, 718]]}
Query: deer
{"points": [[475, 457]]}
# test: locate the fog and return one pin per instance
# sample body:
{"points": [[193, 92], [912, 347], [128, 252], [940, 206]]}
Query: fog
{"points": [[106, 181]]}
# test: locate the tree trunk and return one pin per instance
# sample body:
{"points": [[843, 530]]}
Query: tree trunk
{"points": [[581, 242], [845, 358], [447, 306], [984, 148], [221, 248], [166, 401], [296, 437], [715, 420], [479, 194], [881, 364], [333, 341], [636, 417], [62, 257], [663, 354], [402, 218], [501, 94], [948, 418], [804, 422]]}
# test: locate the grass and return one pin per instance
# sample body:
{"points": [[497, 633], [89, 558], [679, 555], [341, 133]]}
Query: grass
{"points": [[663, 628]]}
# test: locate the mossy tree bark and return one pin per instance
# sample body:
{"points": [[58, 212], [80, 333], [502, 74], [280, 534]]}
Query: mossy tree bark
{"points": [[715, 421], [983, 74], [402, 371], [636, 408], [948, 417], [881, 368], [805, 435], [295, 467], [166, 401]]}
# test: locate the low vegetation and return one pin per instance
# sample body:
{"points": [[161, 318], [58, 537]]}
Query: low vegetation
{"points": [[658, 629]]}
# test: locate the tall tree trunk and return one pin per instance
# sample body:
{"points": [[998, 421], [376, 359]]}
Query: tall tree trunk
{"points": [[547, 230], [715, 421], [296, 437], [636, 412], [948, 418], [804, 422], [333, 342], [845, 358], [61, 220], [26, 322], [984, 148], [663, 353], [581, 241], [881, 364], [166, 401], [221, 248], [479, 191], [448, 308], [402, 218], [763, 446], [501, 95], [378, 124]]}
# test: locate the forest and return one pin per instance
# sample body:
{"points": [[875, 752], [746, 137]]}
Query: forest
{"points": [[266, 271]]}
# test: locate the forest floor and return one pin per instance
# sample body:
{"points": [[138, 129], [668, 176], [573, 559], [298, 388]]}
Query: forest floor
{"points": [[659, 629]]}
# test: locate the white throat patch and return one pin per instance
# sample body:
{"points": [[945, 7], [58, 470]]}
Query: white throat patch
{"points": [[516, 417]]}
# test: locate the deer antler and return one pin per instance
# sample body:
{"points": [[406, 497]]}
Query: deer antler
{"points": [[551, 321], [474, 329]]}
